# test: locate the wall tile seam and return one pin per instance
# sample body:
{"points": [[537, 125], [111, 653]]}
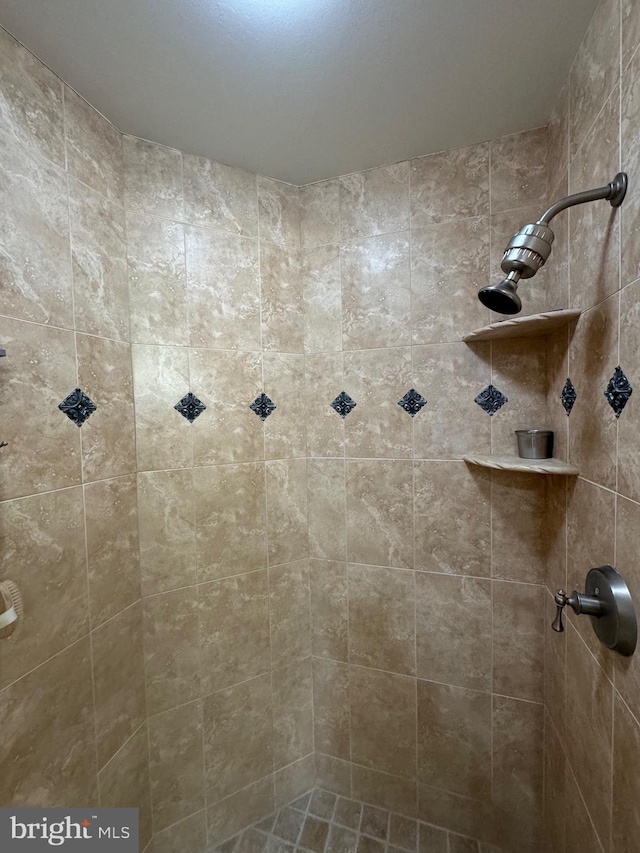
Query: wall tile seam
{"points": [[355, 241], [272, 775], [594, 659], [215, 465], [94, 703], [182, 820], [123, 746], [486, 578], [418, 459], [100, 625], [207, 582], [69, 329], [35, 154], [16, 498], [611, 681], [210, 803], [634, 52], [412, 344], [112, 201], [554, 191], [633, 714], [569, 766], [202, 697], [594, 305], [586, 135], [85, 636], [539, 704], [57, 76], [606, 489], [419, 157], [94, 715], [570, 93], [491, 489], [199, 226], [187, 223]]}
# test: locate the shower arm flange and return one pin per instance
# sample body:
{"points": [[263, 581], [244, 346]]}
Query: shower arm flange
{"points": [[614, 192]]}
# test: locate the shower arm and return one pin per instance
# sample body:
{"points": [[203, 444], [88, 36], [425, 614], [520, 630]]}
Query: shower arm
{"points": [[614, 192], [530, 247]]}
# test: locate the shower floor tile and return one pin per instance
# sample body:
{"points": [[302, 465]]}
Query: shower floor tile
{"points": [[322, 822]]}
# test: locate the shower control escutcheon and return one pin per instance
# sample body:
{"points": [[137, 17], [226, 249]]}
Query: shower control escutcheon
{"points": [[607, 601]]}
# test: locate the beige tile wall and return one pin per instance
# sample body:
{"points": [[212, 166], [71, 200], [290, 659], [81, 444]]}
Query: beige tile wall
{"points": [[73, 705], [427, 594], [190, 623], [165, 657], [592, 725], [214, 273]]}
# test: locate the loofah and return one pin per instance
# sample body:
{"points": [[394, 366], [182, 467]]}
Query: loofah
{"points": [[12, 598]]}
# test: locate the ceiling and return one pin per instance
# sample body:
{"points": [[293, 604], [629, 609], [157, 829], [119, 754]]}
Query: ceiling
{"points": [[303, 90]]}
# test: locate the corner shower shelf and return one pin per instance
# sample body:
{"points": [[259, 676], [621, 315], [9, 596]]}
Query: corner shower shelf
{"points": [[524, 327], [515, 463]]}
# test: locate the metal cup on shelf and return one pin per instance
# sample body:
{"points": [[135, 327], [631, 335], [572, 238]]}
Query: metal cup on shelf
{"points": [[535, 443]]}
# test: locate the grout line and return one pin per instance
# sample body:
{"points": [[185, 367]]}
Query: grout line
{"points": [[584, 805], [123, 746], [491, 520], [413, 493], [145, 687], [83, 496], [71, 329]]}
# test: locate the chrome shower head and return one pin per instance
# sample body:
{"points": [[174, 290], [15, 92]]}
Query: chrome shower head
{"points": [[502, 297], [530, 247]]}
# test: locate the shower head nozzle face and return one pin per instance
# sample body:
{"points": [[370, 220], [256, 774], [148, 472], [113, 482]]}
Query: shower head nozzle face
{"points": [[502, 297]]}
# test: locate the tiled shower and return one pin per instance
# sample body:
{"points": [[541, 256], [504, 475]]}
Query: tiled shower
{"points": [[252, 559]]}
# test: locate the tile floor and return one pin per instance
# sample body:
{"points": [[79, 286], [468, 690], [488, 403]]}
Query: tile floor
{"points": [[321, 822]]}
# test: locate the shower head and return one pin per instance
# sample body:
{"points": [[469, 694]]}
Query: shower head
{"points": [[530, 247], [502, 297]]}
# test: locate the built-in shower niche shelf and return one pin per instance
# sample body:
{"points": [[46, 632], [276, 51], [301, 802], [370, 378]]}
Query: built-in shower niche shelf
{"points": [[515, 463], [524, 327]]}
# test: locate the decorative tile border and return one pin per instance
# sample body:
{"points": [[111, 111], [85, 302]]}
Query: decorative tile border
{"points": [[190, 407], [491, 400], [78, 407], [568, 396], [618, 391], [343, 404], [412, 402], [263, 406]]}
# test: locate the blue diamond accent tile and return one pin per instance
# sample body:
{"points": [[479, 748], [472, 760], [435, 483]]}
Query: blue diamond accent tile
{"points": [[77, 406], [412, 402], [491, 400], [190, 407], [343, 404], [263, 406], [618, 391], [568, 396]]}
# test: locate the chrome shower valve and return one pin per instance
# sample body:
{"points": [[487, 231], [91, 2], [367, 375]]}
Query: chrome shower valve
{"points": [[607, 601], [578, 602]]}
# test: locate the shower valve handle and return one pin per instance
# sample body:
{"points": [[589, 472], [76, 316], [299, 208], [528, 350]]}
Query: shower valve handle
{"points": [[579, 602]]}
